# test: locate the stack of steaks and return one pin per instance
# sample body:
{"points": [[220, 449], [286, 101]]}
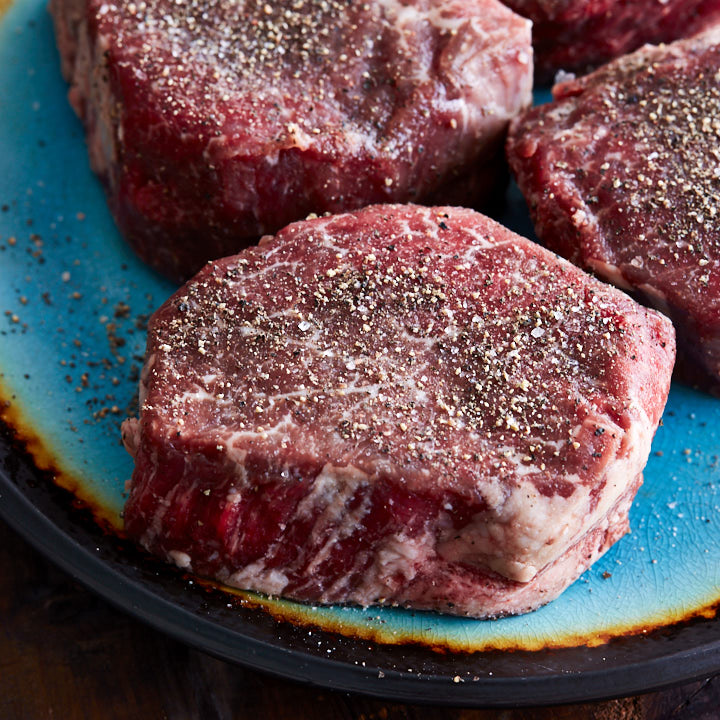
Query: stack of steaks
{"points": [[388, 402]]}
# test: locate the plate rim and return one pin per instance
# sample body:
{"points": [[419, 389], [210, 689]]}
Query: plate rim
{"points": [[147, 603], [150, 602]]}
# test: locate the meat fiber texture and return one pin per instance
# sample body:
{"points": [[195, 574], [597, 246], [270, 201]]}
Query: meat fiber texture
{"points": [[622, 176], [578, 35], [400, 405], [214, 122]]}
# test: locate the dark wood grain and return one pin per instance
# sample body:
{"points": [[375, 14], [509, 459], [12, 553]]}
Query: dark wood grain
{"points": [[66, 654]]}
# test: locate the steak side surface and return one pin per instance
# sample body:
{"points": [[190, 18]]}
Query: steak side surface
{"points": [[622, 176], [214, 122], [400, 405], [578, 35]]}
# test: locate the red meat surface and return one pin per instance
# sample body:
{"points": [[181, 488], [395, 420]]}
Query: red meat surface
{"points": [[214, 122], [578, 35], [622, 176], [400, 405]]}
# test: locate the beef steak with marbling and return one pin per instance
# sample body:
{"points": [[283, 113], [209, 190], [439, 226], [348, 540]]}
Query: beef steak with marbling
{"points": [[214, 122], [400, 405], [578, 35], [622, 176]]}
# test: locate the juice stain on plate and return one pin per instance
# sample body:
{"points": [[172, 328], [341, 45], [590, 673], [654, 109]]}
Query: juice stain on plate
{"points": [[52, 466], [379, 624]]}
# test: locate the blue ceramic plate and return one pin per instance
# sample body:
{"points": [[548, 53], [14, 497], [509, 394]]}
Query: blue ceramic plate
{"points": [[73, 300]]}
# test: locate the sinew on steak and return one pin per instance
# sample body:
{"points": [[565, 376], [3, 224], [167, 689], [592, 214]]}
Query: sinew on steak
{"points": [[578, 35], [401, 405], [622, 176], [214, 122]]}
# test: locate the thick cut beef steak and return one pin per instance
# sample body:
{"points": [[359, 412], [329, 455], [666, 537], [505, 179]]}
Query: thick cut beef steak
{"points": [[577, 35], [398, 405], [214, 122], [622, 175]]}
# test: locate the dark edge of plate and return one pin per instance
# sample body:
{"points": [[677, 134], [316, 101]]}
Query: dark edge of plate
{"points": [[161, 597]]}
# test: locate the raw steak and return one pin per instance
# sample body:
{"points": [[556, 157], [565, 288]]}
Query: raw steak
{"points": [[401, 405], [577, 35], [214, 122], [622, 175]]}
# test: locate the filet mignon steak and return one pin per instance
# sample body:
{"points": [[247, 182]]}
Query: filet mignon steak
{"points": [[622, 175], [578, 35], [214, 122], [399, 405]]}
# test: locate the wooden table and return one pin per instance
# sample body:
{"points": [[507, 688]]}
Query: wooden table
{"points": [[66, 654]]}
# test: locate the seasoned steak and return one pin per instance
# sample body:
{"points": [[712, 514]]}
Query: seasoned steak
{"points": [[399, 405], [214, 122], [622, 175], [577, 35]]}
